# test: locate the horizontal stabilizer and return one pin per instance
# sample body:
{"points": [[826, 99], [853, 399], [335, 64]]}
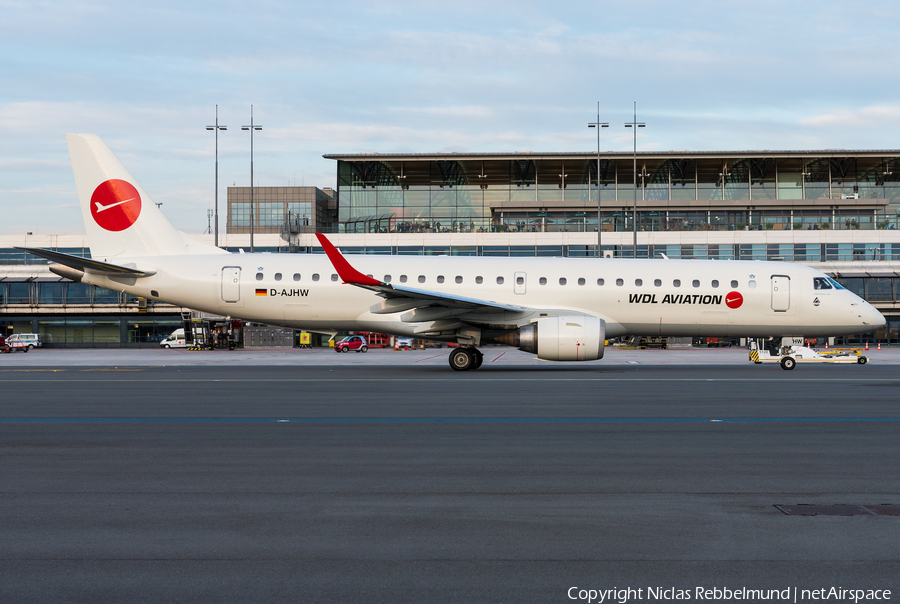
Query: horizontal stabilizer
{"points": [[86, 264]]}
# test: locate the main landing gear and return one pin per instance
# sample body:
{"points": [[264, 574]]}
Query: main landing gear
{"points": [[466, 358]]}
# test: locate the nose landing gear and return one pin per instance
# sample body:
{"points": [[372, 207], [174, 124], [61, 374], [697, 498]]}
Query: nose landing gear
{"points": [[466, 358]]}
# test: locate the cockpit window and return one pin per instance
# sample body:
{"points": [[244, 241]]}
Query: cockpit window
{"points": [[821, 283], [835, 284]]}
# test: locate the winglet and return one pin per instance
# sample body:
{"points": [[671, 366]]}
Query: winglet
{"points": [[347, 273]]}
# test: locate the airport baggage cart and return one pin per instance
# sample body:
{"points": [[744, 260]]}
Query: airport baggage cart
{"points": [[787, 352]]}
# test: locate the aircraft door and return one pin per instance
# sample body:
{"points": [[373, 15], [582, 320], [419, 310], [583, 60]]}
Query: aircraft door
{"points": [[231, 284], [781, 293], [519, 285]]}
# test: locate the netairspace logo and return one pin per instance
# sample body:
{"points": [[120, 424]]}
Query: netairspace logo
{"points": [[725, 594]]}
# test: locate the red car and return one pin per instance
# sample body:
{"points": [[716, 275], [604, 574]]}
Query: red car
{"points": [[357, 343]]}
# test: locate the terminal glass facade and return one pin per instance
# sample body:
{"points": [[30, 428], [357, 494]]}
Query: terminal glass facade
{"points": [[443, 194]]}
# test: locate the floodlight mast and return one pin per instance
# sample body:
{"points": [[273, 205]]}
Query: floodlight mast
{"points": [[635, 125], [598, 124], [251, 128], [217, 127]]}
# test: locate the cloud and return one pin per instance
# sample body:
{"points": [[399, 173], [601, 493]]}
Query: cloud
{"points": [[879, 116]]}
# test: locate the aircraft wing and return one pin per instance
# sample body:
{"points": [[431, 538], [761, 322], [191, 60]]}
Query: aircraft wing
{"points": [[86, 264], [398, 297]]}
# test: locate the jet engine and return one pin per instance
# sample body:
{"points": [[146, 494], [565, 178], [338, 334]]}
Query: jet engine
{"points": [[575, 338]]}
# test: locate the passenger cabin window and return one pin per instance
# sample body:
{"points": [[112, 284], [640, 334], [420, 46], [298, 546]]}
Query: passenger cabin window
{"points": [[296, 276], [440, 278], [734, 283], [581, 281], [259, 276], [676, 283], [479, 280], [543, 280], [402, 278], [639, 282], [600, 282], [421, 278], [562, 280], [278, 276], [715, 283], [387, 278], [315, 276], [657, 282], [620, 282], [335, 277], [520, 280], [499, 280], [821, 283], [459, 279], [695, 283]]}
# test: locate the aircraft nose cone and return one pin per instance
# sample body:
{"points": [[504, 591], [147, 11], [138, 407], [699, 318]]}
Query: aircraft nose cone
{"points": [[878, 321], [874, 318]]}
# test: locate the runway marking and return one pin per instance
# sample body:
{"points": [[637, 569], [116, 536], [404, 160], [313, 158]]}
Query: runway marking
{"points": [[464, 379], [444, 419], [498, 357], [428, 358]]}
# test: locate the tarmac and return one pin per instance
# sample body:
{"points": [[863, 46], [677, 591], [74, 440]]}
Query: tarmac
{"points": [[308, 476], [495, 356]]}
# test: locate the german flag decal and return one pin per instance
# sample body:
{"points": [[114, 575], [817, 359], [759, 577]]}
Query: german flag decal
{"points": [[260, 292]]}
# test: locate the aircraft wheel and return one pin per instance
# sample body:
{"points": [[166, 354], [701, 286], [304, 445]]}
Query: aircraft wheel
{"points": [[788, 363], [462, 359], [862, 360], [364, 349], [479, 358]]}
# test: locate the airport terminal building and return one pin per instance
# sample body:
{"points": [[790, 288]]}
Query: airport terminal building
{"points": [[836, 210]]}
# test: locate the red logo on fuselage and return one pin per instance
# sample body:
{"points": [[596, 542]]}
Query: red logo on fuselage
{"points": [[734, 300], [115, 205]]}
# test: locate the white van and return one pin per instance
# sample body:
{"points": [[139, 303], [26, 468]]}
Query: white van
{"points": [[25, 340], [176, 339]]}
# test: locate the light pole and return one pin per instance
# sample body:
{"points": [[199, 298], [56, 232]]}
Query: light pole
{"points": [[635, 125], [598, 124], [217, 127], [251, 128]]}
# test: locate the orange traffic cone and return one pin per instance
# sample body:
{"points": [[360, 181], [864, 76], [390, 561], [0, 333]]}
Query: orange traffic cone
{"points": [[867, 345], [826, 344], [879, 345]]}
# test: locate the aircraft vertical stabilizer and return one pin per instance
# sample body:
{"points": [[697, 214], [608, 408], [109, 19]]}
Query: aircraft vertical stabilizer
{"points": [[119, 217]]}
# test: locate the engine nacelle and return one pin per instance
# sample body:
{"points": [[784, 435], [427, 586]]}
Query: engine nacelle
{"points": [[575, 338]]}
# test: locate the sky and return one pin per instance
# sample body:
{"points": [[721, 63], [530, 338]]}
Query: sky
{"points": [[396, 76]]}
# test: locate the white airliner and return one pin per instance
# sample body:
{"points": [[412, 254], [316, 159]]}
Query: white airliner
{"points": [[560, 309]]}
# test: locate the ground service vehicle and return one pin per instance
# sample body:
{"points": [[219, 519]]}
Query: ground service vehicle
{"points": [[29, 340], [354, 343], [10, 345], [790, 351], [560, 309], [176, 339]]}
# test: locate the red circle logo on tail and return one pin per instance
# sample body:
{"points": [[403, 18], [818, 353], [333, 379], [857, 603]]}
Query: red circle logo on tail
{"points": [[115, 205], [734, 300]]}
